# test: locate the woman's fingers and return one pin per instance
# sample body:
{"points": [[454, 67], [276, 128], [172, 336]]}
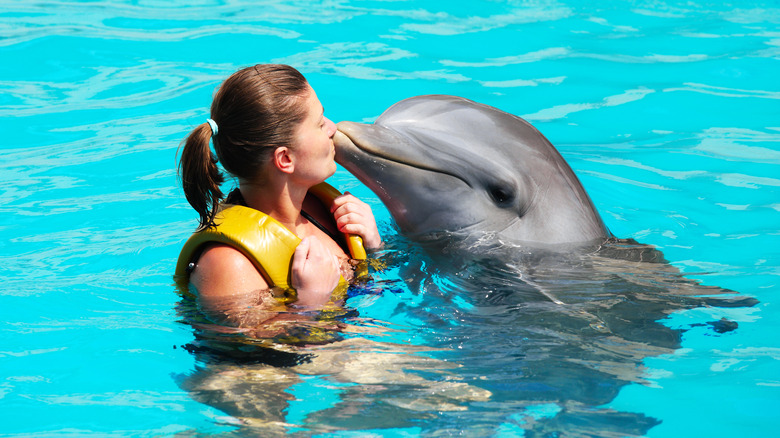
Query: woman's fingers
{"points": [[315, 272], [354, 216], [300, 257]]}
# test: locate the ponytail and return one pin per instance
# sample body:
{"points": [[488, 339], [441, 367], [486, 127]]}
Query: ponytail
{"points": [[200, 176]]}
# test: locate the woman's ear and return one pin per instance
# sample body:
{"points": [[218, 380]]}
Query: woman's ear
{"points": [[283, 160]]}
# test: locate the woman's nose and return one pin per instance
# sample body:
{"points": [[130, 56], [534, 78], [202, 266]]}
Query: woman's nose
{"points": [[331, 127]]}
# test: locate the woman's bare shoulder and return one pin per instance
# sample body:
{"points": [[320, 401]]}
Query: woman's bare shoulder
{"points": [[223, 270]]}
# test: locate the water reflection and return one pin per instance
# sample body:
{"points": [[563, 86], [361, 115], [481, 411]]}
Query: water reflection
{"points": [[253, 378]]}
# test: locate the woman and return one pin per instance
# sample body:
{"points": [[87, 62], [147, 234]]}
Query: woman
{"points": [[269, 132]]}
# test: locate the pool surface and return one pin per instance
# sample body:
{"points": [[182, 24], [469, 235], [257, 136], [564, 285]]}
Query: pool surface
{"points": [[669, 113]]}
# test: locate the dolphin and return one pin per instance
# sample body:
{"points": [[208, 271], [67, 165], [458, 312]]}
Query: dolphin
{"points": [[444, 164]]}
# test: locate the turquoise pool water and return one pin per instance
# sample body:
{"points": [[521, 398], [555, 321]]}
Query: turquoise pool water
{"points": [[669, 112]]}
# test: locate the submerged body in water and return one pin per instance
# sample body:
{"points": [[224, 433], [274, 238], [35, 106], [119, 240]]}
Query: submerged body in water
{"points": [[550, 337]]}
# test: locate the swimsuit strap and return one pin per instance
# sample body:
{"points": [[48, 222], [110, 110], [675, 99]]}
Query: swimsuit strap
{"points": [[322, 227], [235, 197]]}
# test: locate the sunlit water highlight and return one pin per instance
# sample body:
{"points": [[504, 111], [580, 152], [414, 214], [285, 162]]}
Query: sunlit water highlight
{"points": [[667, 111]]}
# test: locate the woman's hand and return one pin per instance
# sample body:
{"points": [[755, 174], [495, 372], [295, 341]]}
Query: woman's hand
{"points": [[354, 216], [315, 272]]}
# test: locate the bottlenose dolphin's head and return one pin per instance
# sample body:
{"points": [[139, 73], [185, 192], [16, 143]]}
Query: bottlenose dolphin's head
{"points": [[447, 164]]}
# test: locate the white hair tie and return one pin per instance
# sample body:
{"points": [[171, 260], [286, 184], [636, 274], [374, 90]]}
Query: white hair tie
{"points": [[213, 124]]}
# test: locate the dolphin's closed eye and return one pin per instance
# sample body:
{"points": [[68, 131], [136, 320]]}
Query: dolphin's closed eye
{"points": [[501, 195]]}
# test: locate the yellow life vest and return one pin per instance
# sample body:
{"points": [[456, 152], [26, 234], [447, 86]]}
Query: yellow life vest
{"points": [[262, 239]]}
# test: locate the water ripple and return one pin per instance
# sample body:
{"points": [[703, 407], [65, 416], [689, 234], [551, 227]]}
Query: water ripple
{"points": [[747, 181], [446, 24], [725, 91], [728, 144], [523, 82], [162, 21], [107, 88], [565, 52], [561, 111], [13, 35], [62, 205], [633, 164], [351, 59], [539, 55]]}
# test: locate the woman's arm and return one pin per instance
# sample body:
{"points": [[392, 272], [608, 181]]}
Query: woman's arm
{"points": [[231, 291], [227, 284]]}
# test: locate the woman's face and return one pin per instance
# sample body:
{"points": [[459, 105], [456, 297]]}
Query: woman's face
{"points": [[313, 149]]}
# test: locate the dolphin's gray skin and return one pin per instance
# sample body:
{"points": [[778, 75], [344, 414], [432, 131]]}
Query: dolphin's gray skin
{"points": [[447, 164]]}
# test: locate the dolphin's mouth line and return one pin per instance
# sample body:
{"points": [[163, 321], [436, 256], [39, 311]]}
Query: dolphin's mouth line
{"points": [[409, 163]]}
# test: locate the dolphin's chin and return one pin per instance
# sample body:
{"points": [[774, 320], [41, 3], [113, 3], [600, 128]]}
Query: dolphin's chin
{"points": [[359, 163], [344, 147]]}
